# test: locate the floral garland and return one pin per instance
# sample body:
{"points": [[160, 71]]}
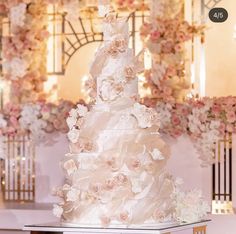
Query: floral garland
{"points": [[165, 37], [24, 49], [204, 120], [37, 118]]}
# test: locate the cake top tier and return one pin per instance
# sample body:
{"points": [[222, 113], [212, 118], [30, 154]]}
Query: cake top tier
{"points": [[114, 27]]}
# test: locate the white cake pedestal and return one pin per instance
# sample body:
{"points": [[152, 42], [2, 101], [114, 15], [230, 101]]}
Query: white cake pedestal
{"points": [[57, 228]]}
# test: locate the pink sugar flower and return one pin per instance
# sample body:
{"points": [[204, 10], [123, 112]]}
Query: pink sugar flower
{"points": [[135, 164], [105, 220], [124, 216], [110, 184]]}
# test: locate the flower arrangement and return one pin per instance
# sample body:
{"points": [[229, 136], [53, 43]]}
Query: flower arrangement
{"points": [[37, 118], [205, 120], [24, 49], [190, 206], [164, 36]]}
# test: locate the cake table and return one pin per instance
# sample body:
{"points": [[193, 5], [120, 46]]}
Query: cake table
{"points": [[57, 228]]}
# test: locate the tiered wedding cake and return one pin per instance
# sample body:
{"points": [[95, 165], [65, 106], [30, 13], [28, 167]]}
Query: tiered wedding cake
{"points": [[115, 168]]}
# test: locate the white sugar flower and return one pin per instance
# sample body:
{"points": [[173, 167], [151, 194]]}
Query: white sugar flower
{"points": [[73, 195], [179, 181], [136, 185], [156, 154], [57, 210], [146, 117], [73, 135], [70, 166], [103, 10], [17, 67], [82, 110], [17, 14], [190, 207], [108, 92]]}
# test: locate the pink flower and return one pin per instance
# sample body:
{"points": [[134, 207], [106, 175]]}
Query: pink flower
{"points": [[180, 36], [222, 128], [155, 35], [2, 8], [231, 117], [216, 109], [135, 164], [49, 128], [178, 47], [121, 179], [175, 120], [145, 29], [96, 188], [167, 46], [159, 215], [171, 71], [110, 184], [105, 221], [124, 216]]}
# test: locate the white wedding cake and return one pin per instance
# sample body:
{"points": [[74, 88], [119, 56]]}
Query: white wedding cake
{"points": [[115, 171]]}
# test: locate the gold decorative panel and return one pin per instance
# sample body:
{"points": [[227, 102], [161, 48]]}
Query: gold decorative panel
{"points": [[18, 174], [222, 177]]}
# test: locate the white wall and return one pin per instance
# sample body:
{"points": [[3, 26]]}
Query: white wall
{"points": [[220, 48]]}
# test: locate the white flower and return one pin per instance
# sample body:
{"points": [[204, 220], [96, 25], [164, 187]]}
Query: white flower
{"points": [[82, 110], [3, 122], [107, 91], [70, 166], [215, 124], [136, 185], [103, 10], [57, 210], [71, 121], [190, 207], [158, 73], [17, 14], [145, 116], [73, 195], [66, 187], [2, 148], [31, 120], [17, 67], [73, 135], [179, 181], [157, 155]]}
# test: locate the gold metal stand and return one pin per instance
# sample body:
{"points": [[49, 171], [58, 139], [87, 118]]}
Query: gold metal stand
{"points": [[199, 230]]}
